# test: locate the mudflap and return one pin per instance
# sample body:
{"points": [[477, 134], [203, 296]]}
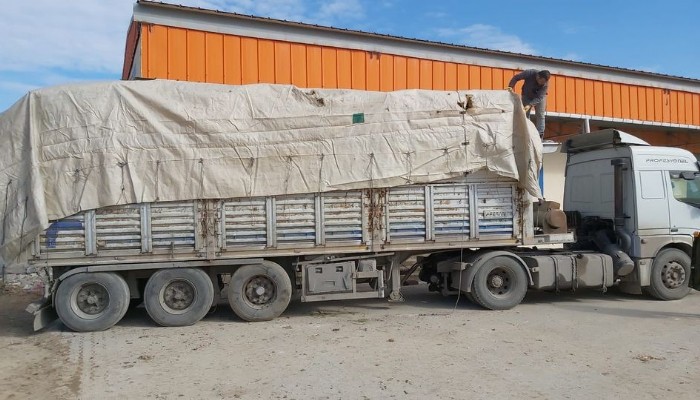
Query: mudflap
{"points": [[695, 277], [44, 313], [694, 264]]}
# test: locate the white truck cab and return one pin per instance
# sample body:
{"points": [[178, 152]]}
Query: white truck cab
{"points": [[649, 196]]}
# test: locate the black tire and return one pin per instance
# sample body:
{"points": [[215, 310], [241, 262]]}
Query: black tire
{"points": [[499, 284], [670, 275], [469, 297], [178, 296], [94, 301], [260, 292]]}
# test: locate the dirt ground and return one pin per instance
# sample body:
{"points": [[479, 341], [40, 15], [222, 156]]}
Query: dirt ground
{"points": [[565, 346]]}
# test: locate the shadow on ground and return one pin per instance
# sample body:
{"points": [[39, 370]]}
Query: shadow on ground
{"points": [[14, 321], [18, 323]]}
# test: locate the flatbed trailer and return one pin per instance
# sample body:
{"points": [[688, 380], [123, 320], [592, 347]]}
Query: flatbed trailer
{"points": [[323, 246]]}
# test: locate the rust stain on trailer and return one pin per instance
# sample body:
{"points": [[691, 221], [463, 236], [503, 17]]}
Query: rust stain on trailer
{"points": [[377, 199]]}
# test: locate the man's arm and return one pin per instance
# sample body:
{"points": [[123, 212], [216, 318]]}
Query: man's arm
{"points": [[519, 77]]}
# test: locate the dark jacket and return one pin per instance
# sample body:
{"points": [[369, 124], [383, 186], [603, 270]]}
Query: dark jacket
{"points": [[532, 92]]}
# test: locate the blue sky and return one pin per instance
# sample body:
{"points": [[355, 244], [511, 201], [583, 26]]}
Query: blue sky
{"points": [[51, 42]]}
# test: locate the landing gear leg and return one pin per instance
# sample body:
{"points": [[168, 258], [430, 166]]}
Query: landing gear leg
{"points": [[395, 279]]}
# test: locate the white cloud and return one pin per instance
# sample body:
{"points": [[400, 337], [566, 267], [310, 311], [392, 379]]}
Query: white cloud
{"points": [[17, 87], [336, 9], [326, 12], [572, 57], [47, 42], [89, 35], [14, 86], [489, 37], [85, 36], [291, 10]]}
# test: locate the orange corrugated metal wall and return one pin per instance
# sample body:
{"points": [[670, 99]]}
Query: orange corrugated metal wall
{"points": [[183, 54]]}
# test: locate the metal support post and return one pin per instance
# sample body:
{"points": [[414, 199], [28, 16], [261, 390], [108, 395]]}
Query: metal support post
{"points": [[395, 278]]}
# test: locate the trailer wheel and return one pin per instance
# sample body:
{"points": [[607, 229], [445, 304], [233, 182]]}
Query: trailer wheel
{"points": [[670, 275], [260, 292], [178, 296], [499, 284], [93, 301]]}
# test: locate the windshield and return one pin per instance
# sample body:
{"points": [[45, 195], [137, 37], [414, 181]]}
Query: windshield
{"points": [[686, 187]]}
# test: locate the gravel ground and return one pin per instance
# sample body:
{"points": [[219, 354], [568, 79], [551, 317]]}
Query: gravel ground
{"points": [[566, 346]]}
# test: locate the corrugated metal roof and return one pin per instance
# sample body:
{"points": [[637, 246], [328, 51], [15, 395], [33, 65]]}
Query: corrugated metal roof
{"points": [[415, 40]]}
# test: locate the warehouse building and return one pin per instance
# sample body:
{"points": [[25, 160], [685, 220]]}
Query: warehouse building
{"points": [[167, 41]]}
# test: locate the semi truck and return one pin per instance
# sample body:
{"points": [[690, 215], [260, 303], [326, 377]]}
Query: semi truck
{"points": [[629, 214]]}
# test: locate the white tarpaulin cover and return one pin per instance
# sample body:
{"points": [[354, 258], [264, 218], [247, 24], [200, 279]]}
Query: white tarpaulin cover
{"points": [[73, 148]]}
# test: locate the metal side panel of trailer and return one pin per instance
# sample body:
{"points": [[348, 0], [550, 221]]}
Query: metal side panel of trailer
{"points": [[417, 217]]}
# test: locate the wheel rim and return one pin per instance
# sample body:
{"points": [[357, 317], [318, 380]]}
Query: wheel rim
{"points": [[178, 296], [499, 282], [260, 291], [673, 275], [90, 300]]}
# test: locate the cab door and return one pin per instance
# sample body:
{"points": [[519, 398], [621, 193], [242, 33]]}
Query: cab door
{"points": [[652, 202]]}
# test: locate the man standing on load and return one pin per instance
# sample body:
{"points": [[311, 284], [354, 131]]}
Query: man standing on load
{"points": [[534, 93]]}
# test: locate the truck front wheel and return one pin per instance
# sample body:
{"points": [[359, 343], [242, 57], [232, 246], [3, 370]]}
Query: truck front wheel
{"points": [[92, 301], [499, 284], [260, 292], [670, 274], [178, 296]]}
